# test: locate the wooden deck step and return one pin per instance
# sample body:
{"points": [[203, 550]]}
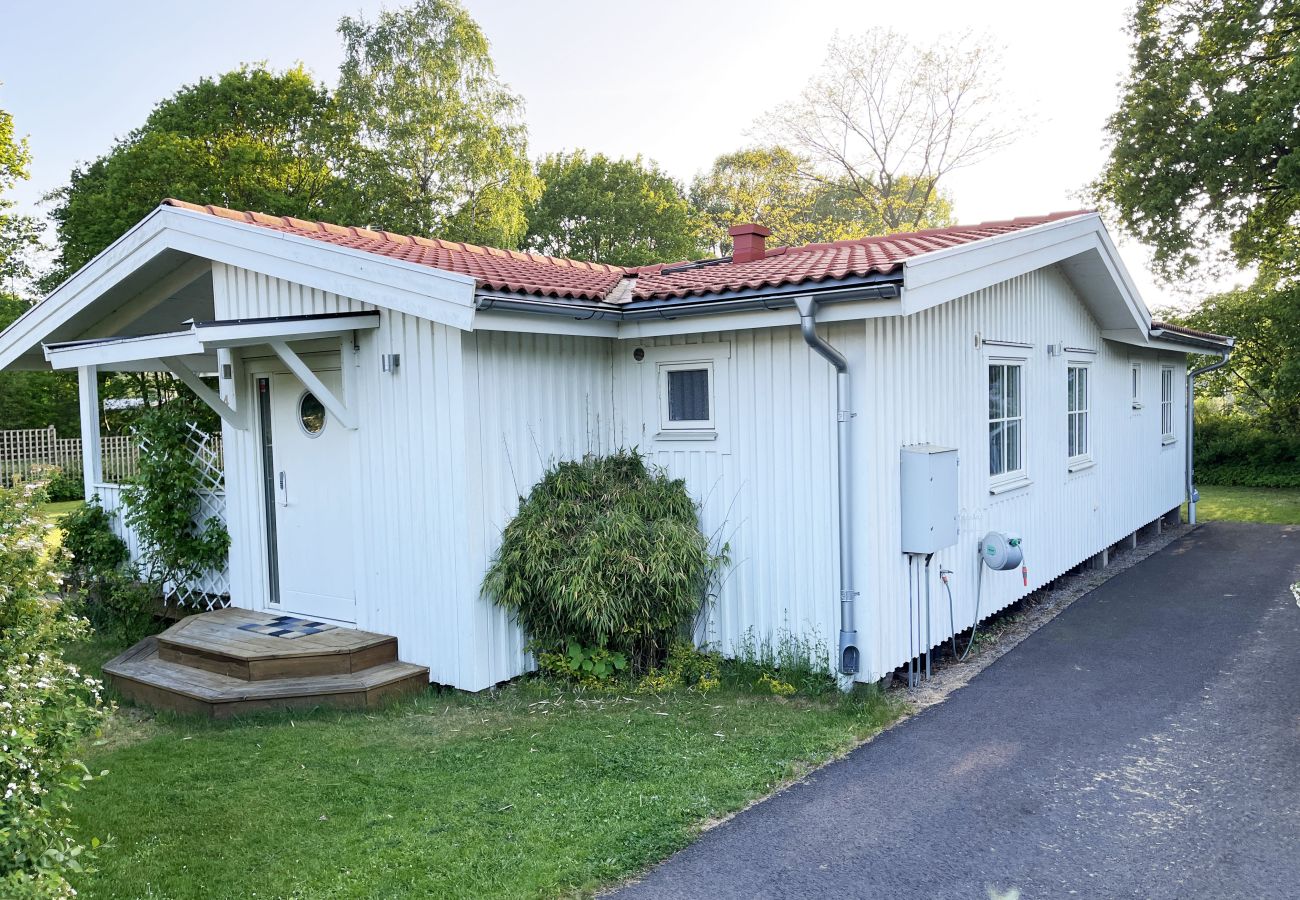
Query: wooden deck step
{"points": [[223, 642], [142, 676]]}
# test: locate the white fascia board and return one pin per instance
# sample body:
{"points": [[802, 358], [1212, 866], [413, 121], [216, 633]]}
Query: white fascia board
{"points": [[423, 291], [943, 275], [838, 311], [123, 350], [539, 323], [224, 335]]}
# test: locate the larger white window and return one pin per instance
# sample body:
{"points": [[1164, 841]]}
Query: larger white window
{"points": [[1006, 418], [1076, 381], [1167, 403]]}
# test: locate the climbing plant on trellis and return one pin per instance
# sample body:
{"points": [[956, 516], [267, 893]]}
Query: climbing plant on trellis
{"points": [[181, 459]]}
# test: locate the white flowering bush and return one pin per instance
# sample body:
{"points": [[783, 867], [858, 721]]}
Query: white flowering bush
{"points": [[46, 708]]}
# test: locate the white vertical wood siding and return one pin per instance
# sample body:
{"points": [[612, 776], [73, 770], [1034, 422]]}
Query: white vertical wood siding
{"points": [[924, 379], [530, 401], [413, 579]]}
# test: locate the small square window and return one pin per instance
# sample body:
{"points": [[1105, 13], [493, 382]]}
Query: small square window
{"points": [[686, 397]]}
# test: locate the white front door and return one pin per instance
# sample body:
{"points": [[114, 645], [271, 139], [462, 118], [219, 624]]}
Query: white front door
{"points": [[308, 490]]}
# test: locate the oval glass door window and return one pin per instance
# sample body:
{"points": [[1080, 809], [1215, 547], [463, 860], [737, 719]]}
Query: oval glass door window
{"points": [[311, 414]]}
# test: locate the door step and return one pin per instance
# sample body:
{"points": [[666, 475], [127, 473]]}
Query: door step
{"points": [[193, 670], [245, 644]]}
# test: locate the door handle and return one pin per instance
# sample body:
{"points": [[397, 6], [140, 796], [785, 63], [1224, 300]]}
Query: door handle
{"points": [[284, 489]]}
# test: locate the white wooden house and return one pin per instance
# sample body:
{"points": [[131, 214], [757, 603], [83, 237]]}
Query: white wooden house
{"points": [[387, 399]]}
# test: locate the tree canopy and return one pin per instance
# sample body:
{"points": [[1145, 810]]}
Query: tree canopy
{"points": [[19, 234], [886, 121], [445, 140], [625, 212], [249, 139], [769, 185], [1205, 145]]}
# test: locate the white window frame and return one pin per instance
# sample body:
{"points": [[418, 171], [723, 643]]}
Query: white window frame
{"points": [[1008, 479], [701, 428], [1167, 433], [1082, 459], [1135, 385]]}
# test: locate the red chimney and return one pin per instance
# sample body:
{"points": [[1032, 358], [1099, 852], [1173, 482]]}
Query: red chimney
{"points": [[750, 241]]}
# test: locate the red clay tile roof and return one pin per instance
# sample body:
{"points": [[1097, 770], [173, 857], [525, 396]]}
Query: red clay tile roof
{"points": [[549, 276], [1190, 332]]}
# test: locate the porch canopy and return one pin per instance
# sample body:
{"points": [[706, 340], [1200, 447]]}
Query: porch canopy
{"points": [[197, 350]]}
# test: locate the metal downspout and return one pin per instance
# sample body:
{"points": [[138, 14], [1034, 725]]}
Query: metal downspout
{"points": [[849, 654], [1192, 495]]}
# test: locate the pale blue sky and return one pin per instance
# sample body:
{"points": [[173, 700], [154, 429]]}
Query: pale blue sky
{"points": [[679, 82]]}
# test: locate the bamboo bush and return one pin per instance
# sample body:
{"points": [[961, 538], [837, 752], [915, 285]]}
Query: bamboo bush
{"points": [[606, 552]]}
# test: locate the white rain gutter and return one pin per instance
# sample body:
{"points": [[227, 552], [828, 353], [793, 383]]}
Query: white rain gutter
{"points": [[849, 656]]}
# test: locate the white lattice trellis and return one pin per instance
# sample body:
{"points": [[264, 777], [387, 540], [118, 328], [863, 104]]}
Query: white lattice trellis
{"points": [[212, 589]]}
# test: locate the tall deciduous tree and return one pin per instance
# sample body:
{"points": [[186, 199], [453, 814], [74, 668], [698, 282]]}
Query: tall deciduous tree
{"points": [[1205, 144], [888, 121], [769, 185], [19, 234], [624, 212], [249, 139], [446, 145]]}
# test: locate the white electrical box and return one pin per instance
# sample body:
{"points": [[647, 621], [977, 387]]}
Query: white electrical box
{"points": [[929, 495]]}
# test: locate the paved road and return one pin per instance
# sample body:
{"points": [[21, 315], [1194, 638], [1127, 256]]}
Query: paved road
{"points": [[1145, 743]]}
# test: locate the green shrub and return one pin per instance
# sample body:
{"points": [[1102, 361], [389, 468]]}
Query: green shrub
{"points": [[786, 664], [88, 536], [46, 708], [685, 668], [607, 553], [586, 665], [1232, 449]]}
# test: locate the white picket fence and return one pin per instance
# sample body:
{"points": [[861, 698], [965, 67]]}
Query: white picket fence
{"points": [[23, 450]]}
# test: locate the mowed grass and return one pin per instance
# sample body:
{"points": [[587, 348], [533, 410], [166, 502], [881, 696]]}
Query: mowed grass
{"points": [[1272, 506], [533, 792], [53, 512]]}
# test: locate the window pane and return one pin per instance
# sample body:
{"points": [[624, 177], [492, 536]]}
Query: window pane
{"points": [[1013, 446], [1083, 433], [1070, 441], [1082, 387], [688, 395], [1069, 389], [996, 391], [1013, 392], [996, 466]]}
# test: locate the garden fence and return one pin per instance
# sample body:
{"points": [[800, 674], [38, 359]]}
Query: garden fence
{"points": [[22, 450]]}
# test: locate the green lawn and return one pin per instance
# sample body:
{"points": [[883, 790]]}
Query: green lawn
{"points": [[55, 511], [1275, 506], [533, 792]]}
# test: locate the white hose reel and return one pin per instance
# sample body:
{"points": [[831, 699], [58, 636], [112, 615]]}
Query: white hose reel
{"points": [[1001, 552]]}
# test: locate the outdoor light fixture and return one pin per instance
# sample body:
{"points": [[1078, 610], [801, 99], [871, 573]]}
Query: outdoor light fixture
{"points": [[391, 362]]}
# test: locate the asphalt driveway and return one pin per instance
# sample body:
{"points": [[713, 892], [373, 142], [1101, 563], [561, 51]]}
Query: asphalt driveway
{"points": [[1145, 743]]}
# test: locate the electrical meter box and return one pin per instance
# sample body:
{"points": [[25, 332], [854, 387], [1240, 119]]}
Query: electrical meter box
{"points": [[929, 495]]}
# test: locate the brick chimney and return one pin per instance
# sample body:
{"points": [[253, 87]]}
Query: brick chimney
{"points": [[750, 241]]}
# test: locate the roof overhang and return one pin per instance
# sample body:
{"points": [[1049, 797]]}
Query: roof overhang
{"points": [[197, 345], [171, 248]]}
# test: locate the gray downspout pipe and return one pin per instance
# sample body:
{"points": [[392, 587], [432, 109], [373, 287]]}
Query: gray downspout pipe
{"points": [[849, 655], [1192, 494]]}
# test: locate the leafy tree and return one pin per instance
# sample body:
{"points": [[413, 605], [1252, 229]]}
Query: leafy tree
{"points": [[35, 399], [19, 234], [248, 139], [1205, 144], [769, 185], [1263, 374], [445, 142], [624, 212], [886, 121]]}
